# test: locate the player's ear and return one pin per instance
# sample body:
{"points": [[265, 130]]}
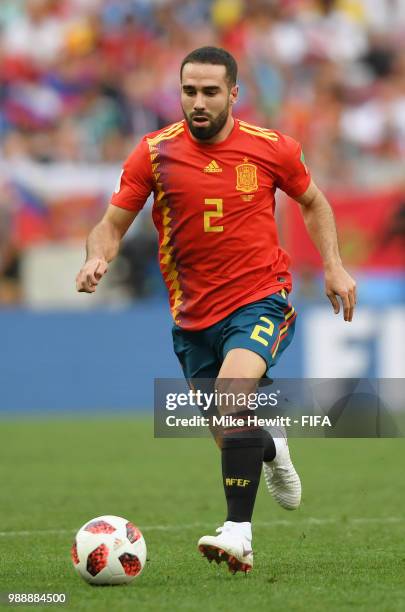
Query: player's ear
{"points": [[233, 94]]}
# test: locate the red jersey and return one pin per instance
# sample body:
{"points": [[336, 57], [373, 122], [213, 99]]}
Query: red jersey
{"points": [[214, 211]]}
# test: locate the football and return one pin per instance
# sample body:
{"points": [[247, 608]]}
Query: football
{"points": [[109, 550]]}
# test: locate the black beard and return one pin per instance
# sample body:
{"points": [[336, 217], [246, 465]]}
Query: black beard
{"points": [[208, 132]]}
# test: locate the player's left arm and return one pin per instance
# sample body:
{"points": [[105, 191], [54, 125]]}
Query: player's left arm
{"points": [[320, 223]]}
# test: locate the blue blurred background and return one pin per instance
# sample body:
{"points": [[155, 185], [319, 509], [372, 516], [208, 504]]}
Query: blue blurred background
{"points": [[82, 80]]}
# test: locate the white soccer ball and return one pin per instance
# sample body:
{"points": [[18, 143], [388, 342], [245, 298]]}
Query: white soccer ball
{"points": [[109, 550]]}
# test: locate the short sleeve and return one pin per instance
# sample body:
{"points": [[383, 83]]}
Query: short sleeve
{"points": [[293, 176], [135, 182]]}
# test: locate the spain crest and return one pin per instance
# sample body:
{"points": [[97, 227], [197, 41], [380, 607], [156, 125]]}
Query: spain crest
{"points": [[246, 177]]}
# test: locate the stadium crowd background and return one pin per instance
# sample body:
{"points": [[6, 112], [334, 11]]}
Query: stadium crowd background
{"points": [[82, 80]]}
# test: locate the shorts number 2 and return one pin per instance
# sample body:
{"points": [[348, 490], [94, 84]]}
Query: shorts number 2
{"points": [[267, 330]]}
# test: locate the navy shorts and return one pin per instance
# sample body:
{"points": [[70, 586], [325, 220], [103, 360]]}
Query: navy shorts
{"points": [[265, 327]]}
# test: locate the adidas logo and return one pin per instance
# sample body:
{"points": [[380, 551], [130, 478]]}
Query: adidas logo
{"points": [[212, 167]]}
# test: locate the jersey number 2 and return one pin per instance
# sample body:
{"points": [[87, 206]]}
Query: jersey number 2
{"points": [[212, 214]]}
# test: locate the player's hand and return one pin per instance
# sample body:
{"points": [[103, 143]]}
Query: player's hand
{"points": [[91, 274], [339, 284]]}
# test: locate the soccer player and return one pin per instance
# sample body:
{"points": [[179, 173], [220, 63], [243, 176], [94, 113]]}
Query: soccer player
{"points": [[214, 178]]}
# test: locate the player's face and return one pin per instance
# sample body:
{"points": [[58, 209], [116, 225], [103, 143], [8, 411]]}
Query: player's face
{"points": [[206, 99]]}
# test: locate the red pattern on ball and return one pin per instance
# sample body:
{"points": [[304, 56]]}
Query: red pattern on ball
{"points": [[97, 560], [99, 527], [131, 564], [133, 533], [73, 553]]}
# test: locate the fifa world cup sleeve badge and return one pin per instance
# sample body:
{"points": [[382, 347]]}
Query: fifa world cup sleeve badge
{"points": [[246, 177]]}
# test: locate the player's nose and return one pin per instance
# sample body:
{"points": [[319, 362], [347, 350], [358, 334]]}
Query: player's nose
{"points": [[199, 103]]}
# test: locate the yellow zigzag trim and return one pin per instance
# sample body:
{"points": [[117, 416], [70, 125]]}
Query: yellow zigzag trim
{"points": [[169, 270]]}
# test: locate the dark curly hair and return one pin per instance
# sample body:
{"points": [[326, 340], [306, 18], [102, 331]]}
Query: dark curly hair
{"points": [[216, 56]]}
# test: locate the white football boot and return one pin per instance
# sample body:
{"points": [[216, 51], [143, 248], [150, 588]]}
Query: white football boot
{"points": [[233, 545], [282, 481]]}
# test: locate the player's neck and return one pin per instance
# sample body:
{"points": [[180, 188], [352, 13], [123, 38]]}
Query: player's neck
{"points": [[222, 135]]}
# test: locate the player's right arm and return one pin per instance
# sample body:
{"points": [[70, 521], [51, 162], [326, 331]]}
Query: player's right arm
{"points": [[132, 190], [102, 246]]}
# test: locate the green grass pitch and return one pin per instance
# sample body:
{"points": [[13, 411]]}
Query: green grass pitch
{"points": [[342, 550]]}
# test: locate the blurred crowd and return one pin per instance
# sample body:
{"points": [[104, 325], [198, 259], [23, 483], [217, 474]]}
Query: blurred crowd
{"points": [[82, 80]]}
